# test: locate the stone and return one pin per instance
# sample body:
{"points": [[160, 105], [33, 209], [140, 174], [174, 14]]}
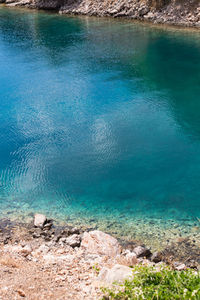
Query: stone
{"points": [[73, 230], [39, 220], [143, 11], [48, 225], [192, 264], [98, 242], [156, 257], [43, 249], [73, 240], [142, 251], [150, 15], [131, 258], [21, 293], [179, 266], [118, 273], [26, 250], [62, 240], [127, 258]]}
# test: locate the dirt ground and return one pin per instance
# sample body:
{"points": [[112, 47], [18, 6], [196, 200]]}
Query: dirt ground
{"points": [[53, 277], [32, 268]]}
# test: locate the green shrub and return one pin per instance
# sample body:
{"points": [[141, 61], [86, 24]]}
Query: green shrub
{"points": [[163, 284]]}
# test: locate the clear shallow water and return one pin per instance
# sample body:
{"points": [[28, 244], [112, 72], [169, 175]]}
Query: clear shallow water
{"points": [[100, 122]]}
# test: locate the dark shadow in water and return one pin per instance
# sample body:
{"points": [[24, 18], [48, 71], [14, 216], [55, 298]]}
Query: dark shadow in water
{"points": [[47, 33], [177, 74]]}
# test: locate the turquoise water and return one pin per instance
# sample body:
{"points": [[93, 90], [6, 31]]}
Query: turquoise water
{"points": [[100, 120]]}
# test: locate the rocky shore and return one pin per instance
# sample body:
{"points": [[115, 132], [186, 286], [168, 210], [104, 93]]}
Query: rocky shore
{"points": [[42, 261], [175, 12]]}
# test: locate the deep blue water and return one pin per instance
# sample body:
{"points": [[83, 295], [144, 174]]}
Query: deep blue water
{"points": [[98, 117]]}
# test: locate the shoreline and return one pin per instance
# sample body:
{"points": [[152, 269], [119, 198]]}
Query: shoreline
{"points": [[153, 230], [172, 15], [182, 249], [40, 260]]}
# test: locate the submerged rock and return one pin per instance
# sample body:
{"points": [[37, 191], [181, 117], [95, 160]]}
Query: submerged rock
{"points": [[184, 251], [98, 242], [40, 220]]}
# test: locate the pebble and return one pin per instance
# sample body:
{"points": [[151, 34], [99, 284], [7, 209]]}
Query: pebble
{"points": [[39, 220]]}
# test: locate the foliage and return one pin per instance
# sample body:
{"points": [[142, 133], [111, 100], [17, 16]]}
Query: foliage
{"points": [[153, 283], [96, 268]]}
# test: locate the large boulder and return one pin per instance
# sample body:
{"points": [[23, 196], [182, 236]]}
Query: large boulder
{"points": [[40, 220], [98, 242], [118, 273]]}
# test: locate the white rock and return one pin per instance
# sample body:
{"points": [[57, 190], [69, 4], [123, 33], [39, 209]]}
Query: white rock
{"points": [[131, 258], [26, 250], [73, 240], [180, 267], [98, 242], [39, 220], [60, 251], [118, 273], [43, 249]]}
